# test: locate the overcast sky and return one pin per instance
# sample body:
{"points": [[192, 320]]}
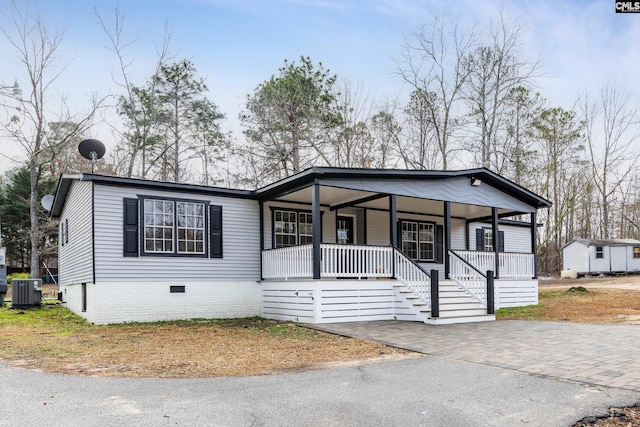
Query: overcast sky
{"points": [[237, 44]]}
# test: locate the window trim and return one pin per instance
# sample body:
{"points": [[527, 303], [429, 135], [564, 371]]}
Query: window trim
{"points": [[635, 253], [434, 243], [297, 212], [174, 253], [488, 247], [599, 252]]}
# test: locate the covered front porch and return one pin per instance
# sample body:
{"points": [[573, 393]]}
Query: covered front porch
{"points": [[345, 246]]}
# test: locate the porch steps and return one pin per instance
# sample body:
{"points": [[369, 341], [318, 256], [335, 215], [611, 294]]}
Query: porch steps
{"points": [[456, 306]]}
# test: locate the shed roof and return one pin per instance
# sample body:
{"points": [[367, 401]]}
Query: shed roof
{"points": [[605, 242]]}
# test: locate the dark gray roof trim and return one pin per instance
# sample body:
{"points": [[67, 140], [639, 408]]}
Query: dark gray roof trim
{"points": [[308, 176], [301, 180], [65, 183]]}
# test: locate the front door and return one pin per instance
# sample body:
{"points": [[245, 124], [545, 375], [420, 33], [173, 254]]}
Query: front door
{"points": [[345, 230]]}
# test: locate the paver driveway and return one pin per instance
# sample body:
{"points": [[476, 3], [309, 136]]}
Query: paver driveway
{"points": [[607, 355]]}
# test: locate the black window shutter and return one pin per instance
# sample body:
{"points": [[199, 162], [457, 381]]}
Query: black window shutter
{"points": [[215, 231], [479, 239], [439, 244], [399, 235], [130, 237], [500, 241]]}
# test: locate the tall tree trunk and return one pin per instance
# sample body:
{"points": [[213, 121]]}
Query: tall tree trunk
{"points": [[35, 223]]}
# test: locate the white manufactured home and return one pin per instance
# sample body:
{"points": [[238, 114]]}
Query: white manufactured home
{"points": [[601, 256], [324, 245]]}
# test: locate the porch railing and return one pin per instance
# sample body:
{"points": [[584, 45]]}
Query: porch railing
{"points": [[466, 275], [358, 261], [413, 276], [513, 265], [290, 262], [355, 261]]}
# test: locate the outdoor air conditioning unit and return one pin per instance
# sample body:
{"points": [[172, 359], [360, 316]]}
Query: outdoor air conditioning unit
{"points": [[26, 293]]}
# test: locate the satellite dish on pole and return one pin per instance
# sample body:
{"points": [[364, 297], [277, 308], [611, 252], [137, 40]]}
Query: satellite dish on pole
{"points": [[92, 149], [47, 202]]}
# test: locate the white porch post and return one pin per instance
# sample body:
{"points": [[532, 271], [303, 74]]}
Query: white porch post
{"points": [[316, 220]]}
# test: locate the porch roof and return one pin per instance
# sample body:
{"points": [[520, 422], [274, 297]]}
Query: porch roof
{"points": [[420, 190]]}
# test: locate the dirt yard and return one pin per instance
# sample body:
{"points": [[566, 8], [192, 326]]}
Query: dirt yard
{"points": [[591, 300], [630, 282], [55, 340]]}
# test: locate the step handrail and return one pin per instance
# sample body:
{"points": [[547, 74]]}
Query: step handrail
{"points": [[451, 251], [423, 286], [475, 286]]}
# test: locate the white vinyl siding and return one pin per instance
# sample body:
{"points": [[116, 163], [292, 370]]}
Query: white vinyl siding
{"points": [[516, 238], [240, 234], [75, 257]]}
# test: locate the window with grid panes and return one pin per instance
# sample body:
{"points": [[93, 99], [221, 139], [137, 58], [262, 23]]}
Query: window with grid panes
{"points": [[488, 239], [426, 241], [285, 228], [174, 227], [305, 228], [418, 240], [159, 219], [410, 239], [190, 227]]}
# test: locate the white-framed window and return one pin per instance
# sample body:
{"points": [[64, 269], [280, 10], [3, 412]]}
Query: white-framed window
{"points": [[306, 228], [599, 252], [418, 240], [488, 240], [291, 228], [285, 228], [174, 227], [426, 241], [190, 227], [636, 251]]}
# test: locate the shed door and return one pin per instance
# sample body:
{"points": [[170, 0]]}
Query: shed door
{"points": [[618, 258]]}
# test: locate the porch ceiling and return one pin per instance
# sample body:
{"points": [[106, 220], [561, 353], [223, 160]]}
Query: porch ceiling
{"points": [[334, 196]]}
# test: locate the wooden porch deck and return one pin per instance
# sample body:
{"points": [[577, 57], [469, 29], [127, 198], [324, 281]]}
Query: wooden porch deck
{"points": [[383, 284]]}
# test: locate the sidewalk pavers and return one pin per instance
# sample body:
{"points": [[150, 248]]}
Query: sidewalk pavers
{"points": [[606, 355]]}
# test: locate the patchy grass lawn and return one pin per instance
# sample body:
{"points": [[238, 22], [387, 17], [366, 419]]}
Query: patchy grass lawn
{"points": [[53, 339], [591, 305]]}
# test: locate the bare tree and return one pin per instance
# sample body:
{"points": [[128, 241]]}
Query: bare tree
{"points": [[496, 68], [353, 145], [386, 134], [419, 146], [559, 176], [433, 61], [36, 46], [138, 104], [611, 131]]}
